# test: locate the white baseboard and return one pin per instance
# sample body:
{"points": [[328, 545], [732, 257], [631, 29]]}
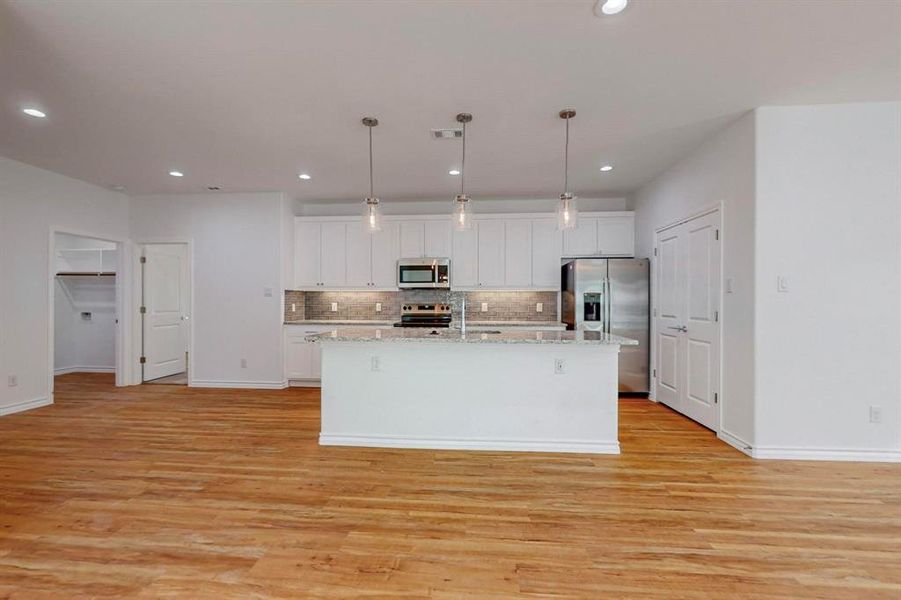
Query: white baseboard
{"points": [[66, 370], [470, 444], [311, 383], [250, 385], [735, 441], [25, 405], [836, 454]]}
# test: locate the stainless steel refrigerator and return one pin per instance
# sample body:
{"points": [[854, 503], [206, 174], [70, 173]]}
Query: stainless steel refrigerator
{"points": [[611, 295]]}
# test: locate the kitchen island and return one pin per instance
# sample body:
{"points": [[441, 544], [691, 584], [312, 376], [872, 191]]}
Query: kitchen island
{"points": [[546, 391]]}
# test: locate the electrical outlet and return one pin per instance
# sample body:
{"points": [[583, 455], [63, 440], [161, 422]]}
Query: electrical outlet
{"points": [[334, 307], [375, 363], [559, 366], [781, 284], [293, 307], [484, 307], [12, 380], [243, 363], [729, 285], [267, 292], [875, 414], [539, 307], [378, 307]]}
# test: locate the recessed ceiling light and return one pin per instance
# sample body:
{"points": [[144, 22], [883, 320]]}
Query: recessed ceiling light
{"points": [[606, 168], [33, 112], [176, 173], [304, 176], [610, 7], [453, 172]]}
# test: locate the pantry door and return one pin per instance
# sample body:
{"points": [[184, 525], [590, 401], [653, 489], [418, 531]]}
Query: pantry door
{"points": [[687, 318]]}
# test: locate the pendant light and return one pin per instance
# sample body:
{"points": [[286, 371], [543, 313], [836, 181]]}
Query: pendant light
{"points": [[372, 215], [462, 211], [567, 213]]}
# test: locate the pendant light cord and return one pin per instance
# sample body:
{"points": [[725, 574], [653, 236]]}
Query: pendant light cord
{"points": [[463, 164], [566, 160], [371, 194]]}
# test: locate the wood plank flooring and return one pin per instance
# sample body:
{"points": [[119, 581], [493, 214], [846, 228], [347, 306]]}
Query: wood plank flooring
{"points": [[171, 492]]}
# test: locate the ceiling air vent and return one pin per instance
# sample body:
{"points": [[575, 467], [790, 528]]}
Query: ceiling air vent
{"points": [[446, 134]]}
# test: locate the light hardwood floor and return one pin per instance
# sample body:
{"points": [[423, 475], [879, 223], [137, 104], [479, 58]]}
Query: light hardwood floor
{"points": [[171, 492]]}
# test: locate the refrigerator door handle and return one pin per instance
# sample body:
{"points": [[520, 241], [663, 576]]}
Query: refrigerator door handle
{"points": [[608, 301]]}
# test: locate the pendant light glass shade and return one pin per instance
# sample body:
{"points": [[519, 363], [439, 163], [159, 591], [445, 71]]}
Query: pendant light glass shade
{"points": [[372, 215], [567, 212], [462, 213]]}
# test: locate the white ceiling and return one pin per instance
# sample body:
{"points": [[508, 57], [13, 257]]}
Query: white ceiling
{"points": [[245, 95]]}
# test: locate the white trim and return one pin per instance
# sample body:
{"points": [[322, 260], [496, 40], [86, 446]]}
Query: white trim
{"points": [[250, 385], [734, 441], [834, 454], [304, 383], [479, 217], [25, 405], [470, 444], [77, 369]]}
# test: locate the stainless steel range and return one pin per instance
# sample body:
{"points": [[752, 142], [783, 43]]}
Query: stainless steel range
{"points": [[425, 315]]}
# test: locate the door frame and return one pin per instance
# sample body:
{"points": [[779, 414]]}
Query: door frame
{"points": [[122, 337], [723, 314], [137, 296]]}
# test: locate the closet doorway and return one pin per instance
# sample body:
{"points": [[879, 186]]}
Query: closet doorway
{"points": [[84, 296]]}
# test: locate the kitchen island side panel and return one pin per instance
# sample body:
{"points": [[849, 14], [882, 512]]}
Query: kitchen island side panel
{"points": [[470, 396]]}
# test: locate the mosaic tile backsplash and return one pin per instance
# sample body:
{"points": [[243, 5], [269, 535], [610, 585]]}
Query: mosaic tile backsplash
{"points": [[502, 306]]}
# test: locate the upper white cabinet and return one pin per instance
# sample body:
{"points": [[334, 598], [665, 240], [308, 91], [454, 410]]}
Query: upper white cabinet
{"points": [[344, 255], [547, 249], [603, 235], [499, 252], [518, 253], [425, 239], [492, 253]]}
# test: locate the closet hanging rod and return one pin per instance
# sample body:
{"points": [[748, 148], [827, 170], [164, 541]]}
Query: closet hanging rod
{"points": [[83, 274]]}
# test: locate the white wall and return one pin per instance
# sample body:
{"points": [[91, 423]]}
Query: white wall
{"points": [[828, 219], [719, 172], [441, 206], [32, 201], [237, 247]]}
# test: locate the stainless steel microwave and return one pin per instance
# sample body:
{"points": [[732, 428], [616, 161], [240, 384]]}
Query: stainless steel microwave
{"points": [[428, 273]]}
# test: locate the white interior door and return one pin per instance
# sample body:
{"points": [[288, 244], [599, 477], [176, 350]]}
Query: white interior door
{"points": [[687, 321], [166, 310]]}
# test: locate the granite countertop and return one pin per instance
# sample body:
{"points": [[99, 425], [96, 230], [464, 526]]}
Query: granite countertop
{"points": [[425, 335], [338, 322], [469, 324]]}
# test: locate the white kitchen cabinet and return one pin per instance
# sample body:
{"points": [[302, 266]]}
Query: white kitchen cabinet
{"points": [[302, 358], [601, 236], [412, 243], [465, 258], [583, 239], [616, 236], [307, 246], [437, 239], [334, 254], [358, 255], [547, 249], [491, 253], [425, 239], [384, 255], [518, 253]]}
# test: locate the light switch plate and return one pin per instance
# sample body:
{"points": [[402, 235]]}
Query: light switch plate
{"points": [[12, 380], [267, 292], [378, 307], [781, 284], [729, 285], [484, 307], [539, 307], [334, 307]]}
